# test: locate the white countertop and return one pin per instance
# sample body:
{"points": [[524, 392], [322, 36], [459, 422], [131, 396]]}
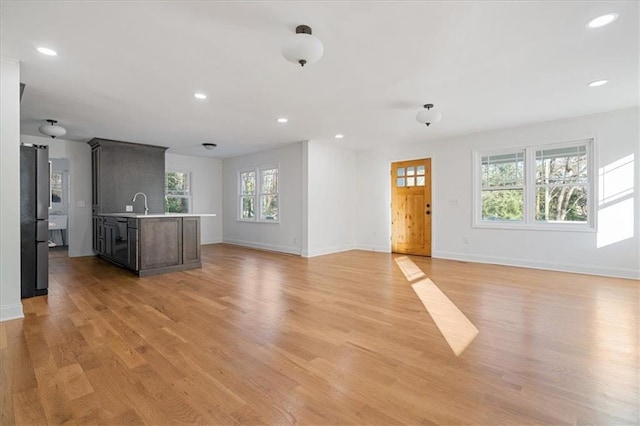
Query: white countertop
{"points": [[142, 215]]}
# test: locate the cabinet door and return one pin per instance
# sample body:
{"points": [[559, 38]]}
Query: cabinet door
{"points": [[95, 179], [95, 229], [191, 239], [133, 248], [160, 242], [108, 240]]}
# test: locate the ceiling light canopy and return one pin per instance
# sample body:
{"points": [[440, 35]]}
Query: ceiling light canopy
{"points": [[47, 51], [602, 20], [598, 83], [428, 115], [52, 129], [302, 48], [209, 146]]}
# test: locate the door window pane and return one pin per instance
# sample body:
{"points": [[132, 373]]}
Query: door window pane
{"points": [[411, 171], [400, 171], [420, 180], [400, 182], [420, 170], [411, 181]]}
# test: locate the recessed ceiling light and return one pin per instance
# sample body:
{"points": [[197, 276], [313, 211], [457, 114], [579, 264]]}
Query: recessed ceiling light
{"points": [[602, 20], [339, 136], [598, 83], [200, 96], [47, 51], [282, 120]]}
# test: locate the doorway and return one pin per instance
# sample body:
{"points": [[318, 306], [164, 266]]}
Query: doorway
{"points": [[411, 207], [59, 207]]}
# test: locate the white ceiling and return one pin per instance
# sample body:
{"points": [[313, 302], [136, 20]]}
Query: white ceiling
{"points": [[128, 70]]}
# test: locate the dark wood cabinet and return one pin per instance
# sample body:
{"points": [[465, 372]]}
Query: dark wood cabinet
{"points": [[150, 246]]}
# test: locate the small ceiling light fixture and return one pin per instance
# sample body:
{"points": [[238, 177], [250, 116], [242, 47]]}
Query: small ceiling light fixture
{"points": [[602, 20], [200, 96], [339, 136], [302, 48], [428, 116], [598, 83], [52, 129], [209, 146], [282, 120], [47, 51]]}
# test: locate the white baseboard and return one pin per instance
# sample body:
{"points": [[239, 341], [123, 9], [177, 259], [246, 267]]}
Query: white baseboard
{"points": [[9, 312], [535, 264], [214, 241], [328, 250], [262, 246]]}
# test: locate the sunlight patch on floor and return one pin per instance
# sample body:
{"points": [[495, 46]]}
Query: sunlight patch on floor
{"points": [[456, 328], [410, 270]]}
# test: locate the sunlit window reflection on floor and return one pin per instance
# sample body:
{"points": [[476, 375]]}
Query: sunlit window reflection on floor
{"points": [[410, 270], [615, 204]]}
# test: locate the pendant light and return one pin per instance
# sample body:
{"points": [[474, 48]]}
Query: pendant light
{"points": [[428, 115], [302, 48], [52, 129]]}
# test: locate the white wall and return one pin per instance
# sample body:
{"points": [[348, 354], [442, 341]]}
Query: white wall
{"points": [[331, 192], [79, 156], [285, 236], [206, 187], [617, 137], [10, 306]]}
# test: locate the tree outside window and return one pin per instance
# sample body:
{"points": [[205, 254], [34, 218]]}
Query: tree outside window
{"points": [[177, 192]]}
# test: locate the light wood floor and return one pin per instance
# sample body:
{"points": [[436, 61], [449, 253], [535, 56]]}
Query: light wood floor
{"points": [[257, 337]]}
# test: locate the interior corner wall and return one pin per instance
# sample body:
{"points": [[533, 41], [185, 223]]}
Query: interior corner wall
{"points": [[79, 227], [285, 236], [331, 191], [617, 137], [10, 305], [206, 191]]}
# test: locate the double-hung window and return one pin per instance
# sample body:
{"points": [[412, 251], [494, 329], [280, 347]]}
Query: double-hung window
{"points": [[543, 187], [177, 190], [258, 195]]}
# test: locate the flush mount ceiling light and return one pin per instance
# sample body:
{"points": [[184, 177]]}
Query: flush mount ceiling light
{"points": [[47, 51], [282, 120], [302, 48], [209, 146], [602, 20], [200, 96], [598, 83], [339, 136], [428, 115], [52, 129]]}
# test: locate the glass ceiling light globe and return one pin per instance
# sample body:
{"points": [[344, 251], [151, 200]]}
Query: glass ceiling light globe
{"points": [[52, 129], [428, 115], [302, 48]]}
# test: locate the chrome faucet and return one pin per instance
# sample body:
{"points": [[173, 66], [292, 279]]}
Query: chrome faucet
{"points": [[146, 209]]}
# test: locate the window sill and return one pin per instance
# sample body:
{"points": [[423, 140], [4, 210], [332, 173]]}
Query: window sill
{"points": [[537, 227], [257, 221]]}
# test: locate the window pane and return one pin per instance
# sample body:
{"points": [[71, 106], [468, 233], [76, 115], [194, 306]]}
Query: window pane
{"points": [[503, 170], [400, 182], [176, 204], [420, 170], [411, 181], [269, 207], [420, 180], [400, 171], [503, 204], [247, 183], [564, 204], [411, 171], [269, 179], [177, 183], [248, 207], [562, 165]]}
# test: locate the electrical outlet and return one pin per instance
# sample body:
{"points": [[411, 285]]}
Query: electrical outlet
{"points": [[465, 239], [80, 203], [129, 208]]}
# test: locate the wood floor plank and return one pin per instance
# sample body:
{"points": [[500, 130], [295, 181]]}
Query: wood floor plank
{"points": [[257, 337]]}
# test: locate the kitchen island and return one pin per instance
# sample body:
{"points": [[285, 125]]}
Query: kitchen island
{"points": [[149, 244]]}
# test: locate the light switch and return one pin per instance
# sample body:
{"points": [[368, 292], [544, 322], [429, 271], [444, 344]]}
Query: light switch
{"points": [[80, 203]]}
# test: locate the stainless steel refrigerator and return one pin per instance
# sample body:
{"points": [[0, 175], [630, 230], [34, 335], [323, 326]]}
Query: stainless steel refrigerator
{"points": [[35, 200]]}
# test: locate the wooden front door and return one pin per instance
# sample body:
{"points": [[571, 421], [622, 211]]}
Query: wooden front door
{"points": [[411, 207]]}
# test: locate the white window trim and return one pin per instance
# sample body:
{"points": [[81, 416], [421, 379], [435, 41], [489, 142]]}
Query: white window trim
{"points": [[188, 197], [256, 195], [529, 222]]}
